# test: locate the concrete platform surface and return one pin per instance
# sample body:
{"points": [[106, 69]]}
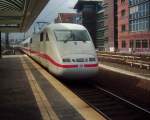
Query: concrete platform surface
{"points": [[126, 72], [16, 98], [28, 92]]}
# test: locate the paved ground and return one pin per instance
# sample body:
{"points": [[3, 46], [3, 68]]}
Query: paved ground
{"points": [[126, 69], [16, 98], [28, 92]]}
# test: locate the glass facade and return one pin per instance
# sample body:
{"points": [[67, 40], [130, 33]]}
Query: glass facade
{"points": [[140, 25], [135, 2], [100, 31], [139, 44], [139, 15]]}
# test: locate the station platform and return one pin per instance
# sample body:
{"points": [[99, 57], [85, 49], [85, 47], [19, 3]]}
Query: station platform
{"points": [[29, 92], [126, 70]]}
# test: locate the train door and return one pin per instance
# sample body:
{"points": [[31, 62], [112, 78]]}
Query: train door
{"points": [[43, 49], [46, 46], [30, 43], [35, 47], [49, 49]]}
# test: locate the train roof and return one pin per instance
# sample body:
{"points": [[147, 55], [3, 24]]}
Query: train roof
{"points": [[58, 26], [69, 26]]}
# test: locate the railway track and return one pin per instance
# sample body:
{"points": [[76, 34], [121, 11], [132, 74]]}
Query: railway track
{"points": [[109, 105]]}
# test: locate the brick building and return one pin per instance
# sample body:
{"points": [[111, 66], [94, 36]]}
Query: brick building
{"points": [[68, 18], [134, 25], [120, 25], [107, 32], [110, 11]]}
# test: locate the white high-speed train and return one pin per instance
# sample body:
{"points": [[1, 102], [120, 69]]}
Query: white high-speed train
{"points": [[65, 49]]}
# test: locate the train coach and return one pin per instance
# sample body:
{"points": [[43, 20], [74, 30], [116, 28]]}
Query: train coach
{"points": [[65, 49]]}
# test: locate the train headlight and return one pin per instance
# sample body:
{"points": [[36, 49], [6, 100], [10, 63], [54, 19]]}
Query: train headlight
{"points": [[92, 59], [66, 60]]}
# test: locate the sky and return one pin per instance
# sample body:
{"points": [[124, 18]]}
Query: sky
{"points": [[48, 14]]}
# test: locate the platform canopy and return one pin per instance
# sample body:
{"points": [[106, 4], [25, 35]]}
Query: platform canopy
{"points": [[18, 15]]}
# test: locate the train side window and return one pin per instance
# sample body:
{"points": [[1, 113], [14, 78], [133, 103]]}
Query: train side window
{"points": [[31, 40], [41, 36], [47, 38]]}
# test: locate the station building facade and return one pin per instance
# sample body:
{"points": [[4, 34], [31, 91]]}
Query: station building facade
{"points": [[107, 31], [69, 18], [100, 18], [117, 25], [134, 26]]}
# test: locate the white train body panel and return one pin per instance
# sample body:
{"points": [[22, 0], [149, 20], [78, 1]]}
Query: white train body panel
{"points": [[66, 50]]}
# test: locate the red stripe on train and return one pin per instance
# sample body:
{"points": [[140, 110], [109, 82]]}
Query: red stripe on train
{"points": [[90, 65], [45, 56]]}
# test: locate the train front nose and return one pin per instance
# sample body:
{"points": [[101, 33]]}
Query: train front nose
{"points": [[80, 66], [80, 73]]}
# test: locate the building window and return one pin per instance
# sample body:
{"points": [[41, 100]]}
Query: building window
{"points": [[122, 1], [123, 28], [123, 44], [139, 11], [139, 25], [139, 15], [123, 13], [144, 43], [135, 2], [138, 43], [131, 43]]}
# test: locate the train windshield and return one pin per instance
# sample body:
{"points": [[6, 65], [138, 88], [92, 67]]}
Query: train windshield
{"points": [[72, 35]]}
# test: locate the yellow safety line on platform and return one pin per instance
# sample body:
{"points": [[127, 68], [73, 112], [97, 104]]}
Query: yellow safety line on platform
{"points": [[84, 109], [42, 102]]}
